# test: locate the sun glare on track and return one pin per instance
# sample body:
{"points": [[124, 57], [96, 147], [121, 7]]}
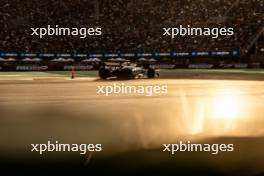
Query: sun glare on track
{"points": [[226, 105]]}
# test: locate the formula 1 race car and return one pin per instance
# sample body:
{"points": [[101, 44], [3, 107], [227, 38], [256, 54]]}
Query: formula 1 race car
{"points": [[124, 69]]}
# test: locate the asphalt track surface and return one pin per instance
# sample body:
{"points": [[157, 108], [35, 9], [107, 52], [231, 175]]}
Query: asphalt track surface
{"points": [[133, 127]]}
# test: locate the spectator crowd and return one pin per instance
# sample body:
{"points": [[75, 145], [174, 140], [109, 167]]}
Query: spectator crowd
{"points": [[128, 25]]}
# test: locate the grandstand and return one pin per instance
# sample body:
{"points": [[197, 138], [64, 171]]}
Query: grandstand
{"points": [[133, 26]]}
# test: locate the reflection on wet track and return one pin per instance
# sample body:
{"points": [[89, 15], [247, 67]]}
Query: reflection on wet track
{"points": [[205, 108]]}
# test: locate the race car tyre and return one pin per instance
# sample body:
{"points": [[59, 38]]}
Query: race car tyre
{"points": [[151, 73], [104, 73]]}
